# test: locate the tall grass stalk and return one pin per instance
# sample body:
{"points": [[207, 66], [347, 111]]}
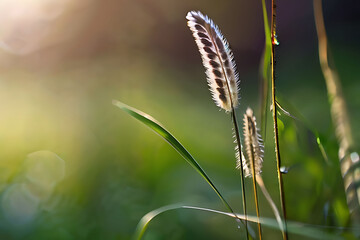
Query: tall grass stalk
{"points": [[254, 153], [349, 161], [254, 150], [256, 197], [274, 113], [240, 159], [222, 76]]}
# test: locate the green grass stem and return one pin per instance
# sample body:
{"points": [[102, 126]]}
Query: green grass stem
{"points": [[274, 114]]}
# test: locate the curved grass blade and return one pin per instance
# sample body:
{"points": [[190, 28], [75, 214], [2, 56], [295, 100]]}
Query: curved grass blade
{"points": [[305, 230], [168, 137], [145, 220]]}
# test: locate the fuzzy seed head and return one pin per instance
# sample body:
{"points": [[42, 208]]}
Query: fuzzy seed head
{"points": [[253, 145], [217, 59]]}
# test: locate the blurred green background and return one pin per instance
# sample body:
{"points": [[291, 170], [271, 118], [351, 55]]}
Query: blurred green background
{"points": [[73, 166]]}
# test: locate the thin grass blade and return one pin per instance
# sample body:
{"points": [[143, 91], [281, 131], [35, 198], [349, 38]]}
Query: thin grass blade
{"points": [[265, 71], [309, 231], [169, 138], [270, 201], [299, 118]]}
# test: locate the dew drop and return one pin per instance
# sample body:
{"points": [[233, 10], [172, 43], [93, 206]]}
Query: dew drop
{"points": [[284, 170], [354, 157], [275, 41]]}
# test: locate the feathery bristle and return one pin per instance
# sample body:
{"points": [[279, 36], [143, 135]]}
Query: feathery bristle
{"points": [[253, 144], [217, 59], [246, 167]]}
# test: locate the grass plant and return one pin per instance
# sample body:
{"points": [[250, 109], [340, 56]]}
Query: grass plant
{"points": [[348, 157], [222, 77], [223, 81]]}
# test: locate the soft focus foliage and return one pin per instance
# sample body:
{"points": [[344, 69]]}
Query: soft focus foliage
{"points": [[73, 166]]}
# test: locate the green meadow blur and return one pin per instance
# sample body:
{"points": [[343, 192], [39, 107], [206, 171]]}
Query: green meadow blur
{"points": [[74, 166]]}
